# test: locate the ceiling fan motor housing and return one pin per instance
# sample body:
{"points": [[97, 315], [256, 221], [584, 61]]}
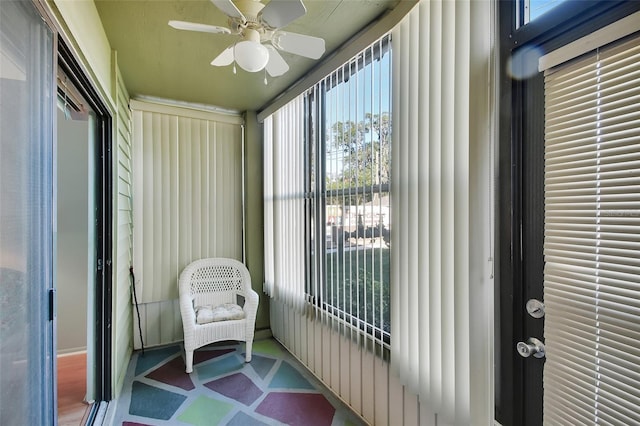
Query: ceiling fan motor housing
{"points": [[250, 9]]}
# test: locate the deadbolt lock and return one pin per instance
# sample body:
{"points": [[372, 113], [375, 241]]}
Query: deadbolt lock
{"points": [[535, 308]]}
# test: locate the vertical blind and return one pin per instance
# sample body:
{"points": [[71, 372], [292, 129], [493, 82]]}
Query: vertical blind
{"points": [[440, 205], [284, 234], [440, 202], [187, 183], [592, 238], [327, 196]]}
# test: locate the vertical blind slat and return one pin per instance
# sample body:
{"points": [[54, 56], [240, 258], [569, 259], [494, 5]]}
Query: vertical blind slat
{"points": [[188, 177], [431, 192]]}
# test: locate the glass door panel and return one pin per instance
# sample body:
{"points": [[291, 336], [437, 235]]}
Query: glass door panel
{"points": [[27, 219]]}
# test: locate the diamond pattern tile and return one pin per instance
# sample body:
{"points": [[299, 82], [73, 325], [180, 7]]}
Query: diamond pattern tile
{"points": [[289, 377], [244, 419], [298, 409], [205, 411], [236, 386], [262, 365], [201, 355], [152, 402], [223, 366], [267, 347], [172, 373], [152, 357], [224, 390]]}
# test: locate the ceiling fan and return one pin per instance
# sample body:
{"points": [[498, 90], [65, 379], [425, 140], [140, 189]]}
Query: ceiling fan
{"points": [[258, 26]]}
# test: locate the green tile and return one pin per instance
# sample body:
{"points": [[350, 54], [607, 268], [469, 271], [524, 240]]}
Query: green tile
{"points": [[205, 412], [267, 347]]}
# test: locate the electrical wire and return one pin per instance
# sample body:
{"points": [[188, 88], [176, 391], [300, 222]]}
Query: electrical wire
{"points": [[135, 300]]}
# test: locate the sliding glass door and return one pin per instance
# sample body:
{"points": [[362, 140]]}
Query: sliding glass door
{"points": [[27, 220]]}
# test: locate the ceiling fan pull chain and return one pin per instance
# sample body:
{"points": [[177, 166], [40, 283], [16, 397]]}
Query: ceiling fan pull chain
{"points": [[234, 68], [265, 76]]}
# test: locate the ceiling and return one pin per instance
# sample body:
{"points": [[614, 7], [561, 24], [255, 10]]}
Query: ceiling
{"points": [[159, 61]]}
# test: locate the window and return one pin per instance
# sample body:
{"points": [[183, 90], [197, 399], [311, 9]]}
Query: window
{"points": [[348, 128], [533, 9]]}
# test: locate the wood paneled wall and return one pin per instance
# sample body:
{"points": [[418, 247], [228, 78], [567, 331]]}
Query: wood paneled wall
{"points": [[123, 231]]}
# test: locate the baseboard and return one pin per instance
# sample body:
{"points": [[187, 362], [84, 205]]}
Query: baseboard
{"points": [[72, 351]]}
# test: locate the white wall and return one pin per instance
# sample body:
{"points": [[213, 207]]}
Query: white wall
{"points": [[73, 233]]}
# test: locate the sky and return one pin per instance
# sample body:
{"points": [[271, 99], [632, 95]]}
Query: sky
{"points": [[366, 91], [540, 7]]}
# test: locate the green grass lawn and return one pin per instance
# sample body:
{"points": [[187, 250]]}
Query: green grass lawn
{"points": [[357, 282]]}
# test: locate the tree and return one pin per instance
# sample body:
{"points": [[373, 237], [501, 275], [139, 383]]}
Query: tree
{"points": [[365, 148]]}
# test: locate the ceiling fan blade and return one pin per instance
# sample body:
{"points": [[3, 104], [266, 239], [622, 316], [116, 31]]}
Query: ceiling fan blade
{"points": [[276, 65], [229, 8], [192, 26], [278, 13], [224, 59], [299, 44]]}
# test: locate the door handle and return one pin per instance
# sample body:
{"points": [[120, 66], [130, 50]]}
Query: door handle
{"points": [[531, 347]]}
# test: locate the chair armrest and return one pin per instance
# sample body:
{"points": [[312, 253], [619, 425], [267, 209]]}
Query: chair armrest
{"points": [[251, 301], [250, 308], [186, 310]]}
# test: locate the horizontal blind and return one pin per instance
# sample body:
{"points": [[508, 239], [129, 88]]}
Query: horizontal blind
{"points": [[592, 238]]}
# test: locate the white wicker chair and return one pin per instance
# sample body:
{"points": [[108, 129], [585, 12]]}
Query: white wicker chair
{"points": [[216, 281]]}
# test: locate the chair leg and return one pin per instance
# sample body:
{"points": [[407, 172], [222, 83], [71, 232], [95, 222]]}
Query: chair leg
{"points": [[188, 360], [248, 351]]}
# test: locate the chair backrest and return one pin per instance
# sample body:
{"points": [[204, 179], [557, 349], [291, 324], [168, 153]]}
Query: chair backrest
{"points": [[215, 281]]}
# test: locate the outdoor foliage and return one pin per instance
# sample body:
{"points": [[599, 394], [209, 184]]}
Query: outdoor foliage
{"points": [[363, 149], [357, 284]]}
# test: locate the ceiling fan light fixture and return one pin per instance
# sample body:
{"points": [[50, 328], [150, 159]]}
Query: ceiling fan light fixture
{"points": [[256, 23], [251, 56]]}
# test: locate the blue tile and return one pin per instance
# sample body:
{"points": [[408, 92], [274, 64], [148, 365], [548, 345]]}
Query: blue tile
{"points": [[262, 365], [149, 401], [289, 377], [151, 358], [219, 367], [243, 419]]}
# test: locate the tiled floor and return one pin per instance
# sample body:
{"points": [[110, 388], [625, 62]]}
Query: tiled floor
{"points": [[273, 389]]}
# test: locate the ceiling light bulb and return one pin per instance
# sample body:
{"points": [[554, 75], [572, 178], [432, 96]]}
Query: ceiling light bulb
{"points": [[251, 55]]}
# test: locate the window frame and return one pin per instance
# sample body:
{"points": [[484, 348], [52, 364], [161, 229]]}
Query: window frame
{"points": [[316, 192]]}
